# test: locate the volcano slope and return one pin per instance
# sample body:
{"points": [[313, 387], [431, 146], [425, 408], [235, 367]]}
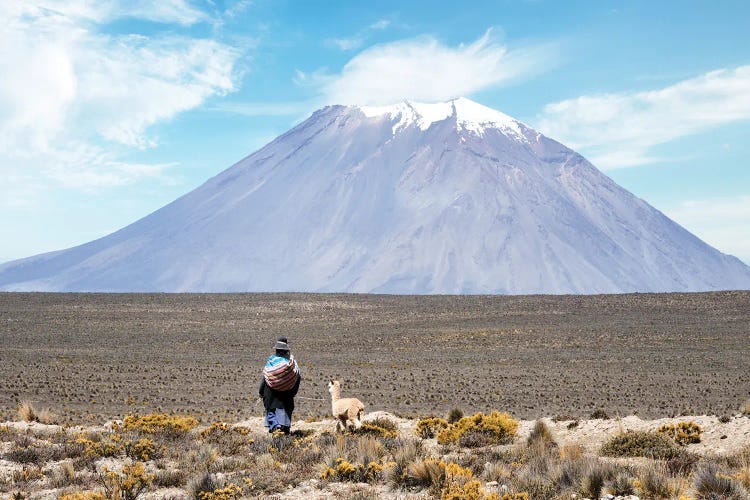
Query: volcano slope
{"points": [[108, 355]]}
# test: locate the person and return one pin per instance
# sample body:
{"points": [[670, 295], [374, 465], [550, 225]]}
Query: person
{"points": [[278, 386]]}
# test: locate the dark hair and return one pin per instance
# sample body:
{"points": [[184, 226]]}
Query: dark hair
{"points": [[282, 353]]}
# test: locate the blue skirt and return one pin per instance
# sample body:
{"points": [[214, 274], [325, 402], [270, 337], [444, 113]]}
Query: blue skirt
{"points": [[276, 419]]}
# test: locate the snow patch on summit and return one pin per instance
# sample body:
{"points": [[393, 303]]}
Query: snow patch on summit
{"points": [[470, 116]]}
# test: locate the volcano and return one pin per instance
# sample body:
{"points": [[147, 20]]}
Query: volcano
{"points": [[444, 198]]}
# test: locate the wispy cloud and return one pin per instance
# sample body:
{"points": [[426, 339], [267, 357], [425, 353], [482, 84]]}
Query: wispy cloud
{"points": [[620, 130], [424, 68], [72, 97], [359, 39], [723, 222], [264, 108]]}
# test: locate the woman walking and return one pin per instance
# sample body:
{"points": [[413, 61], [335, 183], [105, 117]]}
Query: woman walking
{"points": [[278, 386]]}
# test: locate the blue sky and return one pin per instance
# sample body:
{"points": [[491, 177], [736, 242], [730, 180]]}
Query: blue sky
{"points": [[111, 109]]}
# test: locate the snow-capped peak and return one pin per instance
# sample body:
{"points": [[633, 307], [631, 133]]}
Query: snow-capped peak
{"points": [[470, 116]]}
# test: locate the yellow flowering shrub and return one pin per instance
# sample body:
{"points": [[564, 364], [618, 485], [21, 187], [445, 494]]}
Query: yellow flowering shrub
{"points": [[377, 431], [480, 430], [160, 423], [346, 471], [110, 447], [430, 427], [127, 484], [144, 449], [226, 493], [216, 428], [683, 433], [87, 495]]}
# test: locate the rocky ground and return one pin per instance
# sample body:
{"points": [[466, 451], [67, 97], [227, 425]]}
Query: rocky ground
{"points": [[103, 356]]}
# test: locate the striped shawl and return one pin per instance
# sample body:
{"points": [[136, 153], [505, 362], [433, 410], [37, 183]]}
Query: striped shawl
{"points": [[281, 373]]}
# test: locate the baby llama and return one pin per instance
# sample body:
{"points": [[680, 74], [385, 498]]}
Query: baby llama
{"points": [[348, 410]]}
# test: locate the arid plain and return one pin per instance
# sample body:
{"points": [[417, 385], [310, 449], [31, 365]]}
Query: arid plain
{"points": [[92, 357]]}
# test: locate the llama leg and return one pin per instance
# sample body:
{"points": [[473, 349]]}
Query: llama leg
{"points": [[359, 418], [353, 416]]}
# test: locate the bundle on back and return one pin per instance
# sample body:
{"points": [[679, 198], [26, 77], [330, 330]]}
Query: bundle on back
{"points": [[281, 373]]}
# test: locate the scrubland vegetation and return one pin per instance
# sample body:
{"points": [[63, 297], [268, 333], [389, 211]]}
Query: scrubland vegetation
{"points": [[480, 456]]}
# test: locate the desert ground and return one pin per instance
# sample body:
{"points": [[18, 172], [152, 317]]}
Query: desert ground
{"points": [[94, 357]]}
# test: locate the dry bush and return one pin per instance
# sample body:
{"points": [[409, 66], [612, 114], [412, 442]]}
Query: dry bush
{"points": [[26, 412], [594, 478], [683, 433], [170, 478], [654, 482], [46, 416], [599, 415], [497, 471], [571, 451], [428, 428], [368, 450], [27, 455], [63, 475], [641, 444], [682, 465], [621, 485], [711, 483], [455, 415], [204, 483], [480, 430], [405, 452], [541, 436], [428, 473]]}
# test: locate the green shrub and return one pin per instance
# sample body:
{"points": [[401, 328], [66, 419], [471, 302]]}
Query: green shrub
{"points": [[370, 428], [384, 423], [641, 444]]}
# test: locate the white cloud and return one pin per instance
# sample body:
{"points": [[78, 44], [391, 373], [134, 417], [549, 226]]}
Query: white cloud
{"points": [[99, 11], [425, 69], [73, 98], [723, 223], [619, 130]]}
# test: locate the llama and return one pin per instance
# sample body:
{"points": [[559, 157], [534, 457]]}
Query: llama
{"points": [[348, 410]]}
